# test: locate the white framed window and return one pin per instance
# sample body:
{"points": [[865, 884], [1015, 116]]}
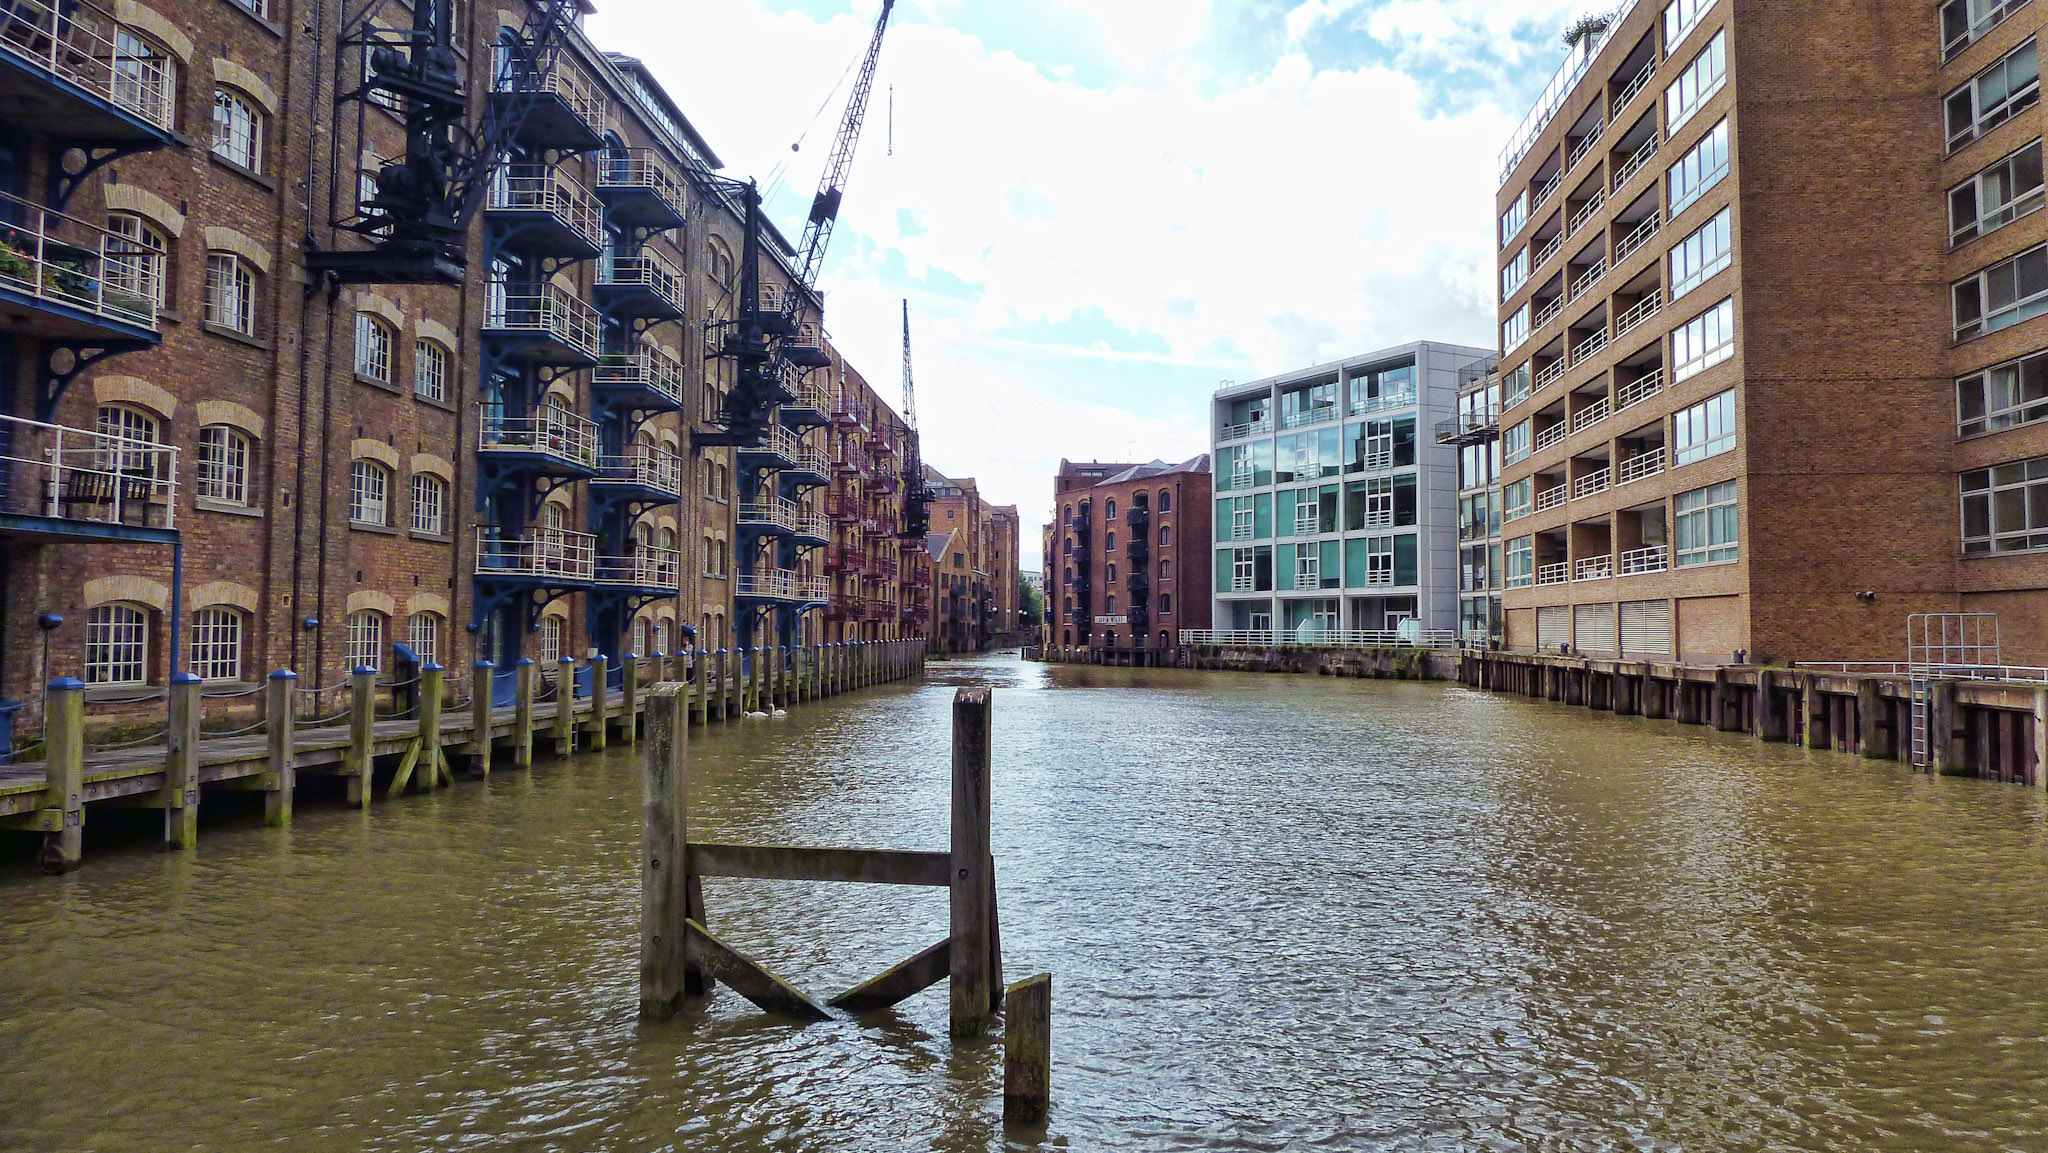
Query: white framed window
{"points": [[1997, 196], [365, 640], [1379, 502], [430, 371], [369, 493], [1704, 525], [237, 130], [1994, 95], [1519, 557], [1704, 429], [217, 644], [1680, 16], [1703, 254], [1700, 168], [230, 293], [1515, 274], [135, 266], [1697, 84], [1241, 570], [144, 78], [1515, 329], [254, 7], [116, 645], [2005, 507], [423, 636], [663, 630], [1165, 535], [2003, 395], [1308, 567], [1379, 560], [2002, 295], [129, 454], [1241, 520], [374, 340], [1964, 22], [1514, 442], [549, 642], [223, 465], [1514, 218], [429, 504], [1518, 499], [640, 637], [1704, 341]]}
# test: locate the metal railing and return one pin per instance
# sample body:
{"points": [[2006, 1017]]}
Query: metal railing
{"points": [[552, 553], [1654, 558], [77, 474], [1544, 193], [1401, 398], [1548, 250], [646, 466], [547, 188], [1550, 498], [1553, 574], [1590, 415], [1636, 84], [1587, 211], [1637, 391], [1593, 483], [1469, 423], [783, 584], [548, 430], [1585, 146], [1584, 282], [1593, 568], [812, 526], [779, 511], [647, 566], [1638, 312], [1580, 58], [82, 44], [64, 260], [640, 168], [1641, 465], [1312, 637], [1639, 235], [1549, 312], [1309, 416], [812, 397], [1547, 437], [1584, 350], [1241, 431], [560, 79], [550, 311], [646, 269], [646, 367], [1636, 160]]}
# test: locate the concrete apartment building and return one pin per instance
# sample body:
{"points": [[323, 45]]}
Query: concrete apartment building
{"points": [[1127, 562], [1769, 356], [219, 461], [972, 563], [1335, 503]]}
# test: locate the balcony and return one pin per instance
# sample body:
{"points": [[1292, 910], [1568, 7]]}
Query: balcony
{"points": [[646, 378], [881, 439], [552, 103], [1635, 562], [67, 70], [542, 323], [1550, 498], [805, 346], [1590, 344], [1593, 483], [1547, 437], [1547, 250], [1309, 416], [1639, 235], [1636, 160], [1593, 568], [1590, 415], [642, 285], [74, 483], [646, 569], [549, 440], [782, 585], [66, 280], [1638, 312], [546, 555], [1553, 574], [1477, 427], [545, 211], [842, 507], [1546, 312], [1584, 282], [1542, 195], [784, 451], [1637, 391], [640, 190], [1241, 431], [1585, 146], [775, 516], [1636, 85], [811, 531], [810, 405], [1641, 465], [652, 472], [1585, 213]]}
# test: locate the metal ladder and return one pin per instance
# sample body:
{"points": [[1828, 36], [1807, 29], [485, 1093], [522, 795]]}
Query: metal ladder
{"points": [[1923, 692]]}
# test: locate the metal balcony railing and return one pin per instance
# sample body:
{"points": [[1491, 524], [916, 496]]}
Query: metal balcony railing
{"points": [[558, 78], [783, 584], [1591, 344], [640, 169], [1466, 425], [647, 270], [816, 527], [811, 398], [1586, 212], [1637, 391], [1547, 312], [1641, 465], [63, 260], [1593, 568], [1550, 498], [646, 367], [647, 566], [645, 466], [1639, 235], [1553, 574], [1399, 398], [1636, 160], [1548, 250], [1544, 193], [1241, 431], [1551, 373], [547, 188], [543, 553], [1645, 560], [81, 43], [1593, 483], [1549, 436], [1309, 416], [1590, 415], [1585, 281], [1638, 312], [546, 430], [1310, 636], [1636, 85], [777, 512], [1585, 146], [542, 310], [88, 477]]}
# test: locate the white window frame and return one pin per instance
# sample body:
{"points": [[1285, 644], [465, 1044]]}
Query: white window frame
{"points": [[139, 272], [1308, 566], [1704, 254], [1680, 18], [237, 129], [1993, 198], [1379, 561], [1976, 18], [1703, 77], [1515, 274], [2009, 86], [1519, 562], [2003, 395], [428, 511], [2018, 285], [430, 371], [230, 293], [1514, 218], [365, 640], [369, 493], [2008, 499], [423, 636], [117, 644], [144, 77], [1705, 429], [223, 457], [1713, 511], [1515, 329], [548, 642], [1704, 341], [1701, 168], [119, 423], [1242, 571], [1515, 441], [375, 343], [661, 634], [1379, 502], [1518, 499], [217, 643]]}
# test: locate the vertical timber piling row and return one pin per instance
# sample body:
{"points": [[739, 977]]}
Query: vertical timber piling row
{"points": [[1027, 1050], [280, 728], [629, 703], [181, 765], [62, 816], [600, 703], [972, 883], [432, 768]]}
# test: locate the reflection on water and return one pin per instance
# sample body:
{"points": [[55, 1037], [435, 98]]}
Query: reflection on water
{"points": [[1279, 911]]}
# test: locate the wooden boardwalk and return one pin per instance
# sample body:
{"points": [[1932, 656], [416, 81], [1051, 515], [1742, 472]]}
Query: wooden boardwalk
{"points": [[51, 796]]}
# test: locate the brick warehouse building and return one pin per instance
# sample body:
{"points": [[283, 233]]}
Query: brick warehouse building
{"points": [[307, 473], [1127, 567], [972, 560], [1770, 355]]}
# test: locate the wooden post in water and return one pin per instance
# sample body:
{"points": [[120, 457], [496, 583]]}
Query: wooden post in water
{"points": [[629, 701], [362, 701], [1814, 705], [1941, 731], [600, 697], [433, 764], [700, 696], [1871, 738], [483, 687], [664, 852], [526, 673], [2039, 765], [973, 981], [1027, 1050], [1770, 723], [280, 727], [62, 818], [181, 765], [565, 706]]}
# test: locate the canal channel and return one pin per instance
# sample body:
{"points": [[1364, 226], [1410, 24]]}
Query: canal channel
{"points": [[1280, 912]]}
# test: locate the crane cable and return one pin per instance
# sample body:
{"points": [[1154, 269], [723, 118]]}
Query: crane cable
{"points": [[777, 174]]}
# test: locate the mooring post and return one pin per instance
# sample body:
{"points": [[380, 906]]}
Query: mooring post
{"points": [[1769, 721], [565, 706], [1941, 732], [629, 700], [972, 986], [1027, 1050], [362, 701], [1814, 705], [699, 688], [523, 689], [62, 819], [600, 701], [2038, 763], [731, 690], [664, 848], [483, 687], [1870, 733], [280, 728], [432, 766], [181, 765]]}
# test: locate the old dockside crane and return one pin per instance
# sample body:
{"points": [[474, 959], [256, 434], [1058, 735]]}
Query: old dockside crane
{"points": [[917, 496]]}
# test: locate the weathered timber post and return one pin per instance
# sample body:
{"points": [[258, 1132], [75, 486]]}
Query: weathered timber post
{"points": [[1814, 704], [1770, 723], [523, 689], [1872, 739], [1027, 1050], [700, 695], [483, 688], [757, 679], [362, 701], [1722, 710], [280, 728], [1941, 730], [600, 698], [62, 818], [664, 853], [629, 701], [565, 706], [972, 987], [2038, 763], [433, 765], [1650, 695], [731, 691], [181, 765]]}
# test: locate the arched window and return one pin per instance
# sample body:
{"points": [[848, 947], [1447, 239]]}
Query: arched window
{"points": [[1163, 642], [554, 516], [145, 78], [230, 293], [1108, 511], [1109, 542], [117, 645], [429, 504], [1111, 571], [550, 640], [1165, 602], [1165, 535], [374, 341], [237, 129], [1165, 504], [429, 371], [223, 465], [423, 633], [127, 433], [365, 640], [1066, 636], [369, 493], [1165, 570], [217, 644], [136, 263]]}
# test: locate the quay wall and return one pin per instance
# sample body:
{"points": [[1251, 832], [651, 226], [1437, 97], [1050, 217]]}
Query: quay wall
{"points": [[1410, 664]]}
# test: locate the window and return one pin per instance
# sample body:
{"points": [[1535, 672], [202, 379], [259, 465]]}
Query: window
{"points": [[374, 339], [2003, 396], [1514, 384], [430, 371], [230, 293], [1109, 606], [1165, 602], [1697, 84], [1241, 570], [1379, 560], [1109, 542], [1699, 169], [254, 7], [423, 634], [135, 264], [1514, 443], [2002, 295], [1520, 555], [127, 455], [1996, 196], [550, 640], [1515, 329], [217, 644], [1679, 18], [661, 634], [369, 493], [1706, 524], [1165, 500], [1964, 22], [1166, 570], [1518, 499], [1701, 255], [223, 465], [1515, 274], [1994, 95], [1704, 341], [237, 130], [1165, 535], [1705, 429], [429, 500], [1108, 513], [1308, 567], [365, 640], [116, 645], [1110, 572], [145, 78], [2005, 507], [1514, 218]]}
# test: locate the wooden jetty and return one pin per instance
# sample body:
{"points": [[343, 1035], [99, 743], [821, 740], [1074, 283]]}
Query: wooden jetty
{"points": [[411, 729]]}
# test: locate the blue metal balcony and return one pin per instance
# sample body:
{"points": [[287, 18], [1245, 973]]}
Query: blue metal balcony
{"points": [[74, 72]]}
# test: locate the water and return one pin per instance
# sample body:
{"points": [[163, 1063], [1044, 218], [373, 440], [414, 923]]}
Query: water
{"points": [[1280, 913]]}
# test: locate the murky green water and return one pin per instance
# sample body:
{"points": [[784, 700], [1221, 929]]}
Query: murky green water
{"points": [[1281, 912]]}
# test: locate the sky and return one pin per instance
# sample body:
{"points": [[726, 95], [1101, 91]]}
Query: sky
{"points": [[1101, 210]]}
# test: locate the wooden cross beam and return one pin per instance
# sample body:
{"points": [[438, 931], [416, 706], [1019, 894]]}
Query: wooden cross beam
{"points": [[748, 977]]}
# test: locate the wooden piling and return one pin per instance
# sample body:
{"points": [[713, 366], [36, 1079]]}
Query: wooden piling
{"points": [[523, 688], [362, 701], [629, 701], [1769, 722], [2038, 762], [483, 685], [62, 816], [565, 706], [700, 692], [1943, 756], [971, 986], [1814, 704], [281, 729], [1872, 738], [600, 696], [1027, 1050], [431, 767], [664, 851], [181, 765]]}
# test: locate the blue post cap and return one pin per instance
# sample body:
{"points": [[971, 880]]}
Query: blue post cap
{"points": [[405, 653], [473, 627], [284, 675], [483, 664], [525, 660], [310, 623], [67, 685], [565, 660], [48, 621], [184, 679], [360, 669], [431, 667], [632, 656]]}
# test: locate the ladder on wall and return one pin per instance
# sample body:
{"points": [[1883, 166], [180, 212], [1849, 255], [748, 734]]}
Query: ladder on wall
{"points": [[1923, 691], [1950, 645]]}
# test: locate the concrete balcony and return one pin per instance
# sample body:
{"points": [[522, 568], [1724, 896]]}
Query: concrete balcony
{"points": [[640, 190], [1231, 432], [651, 472], [1549, 437], [542, 323], [1591, 415], [642, 285], [1593, 483], [67, 70], [1639, 466], [64, 279], [554, 105], [1550, 498], [545, 555], [1637, 391], [62, 483], [1553, 574], [646, 378], [546, 440]]}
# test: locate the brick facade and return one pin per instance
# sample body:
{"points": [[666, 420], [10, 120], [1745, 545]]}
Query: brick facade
{"points": [[1132, 541]]}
